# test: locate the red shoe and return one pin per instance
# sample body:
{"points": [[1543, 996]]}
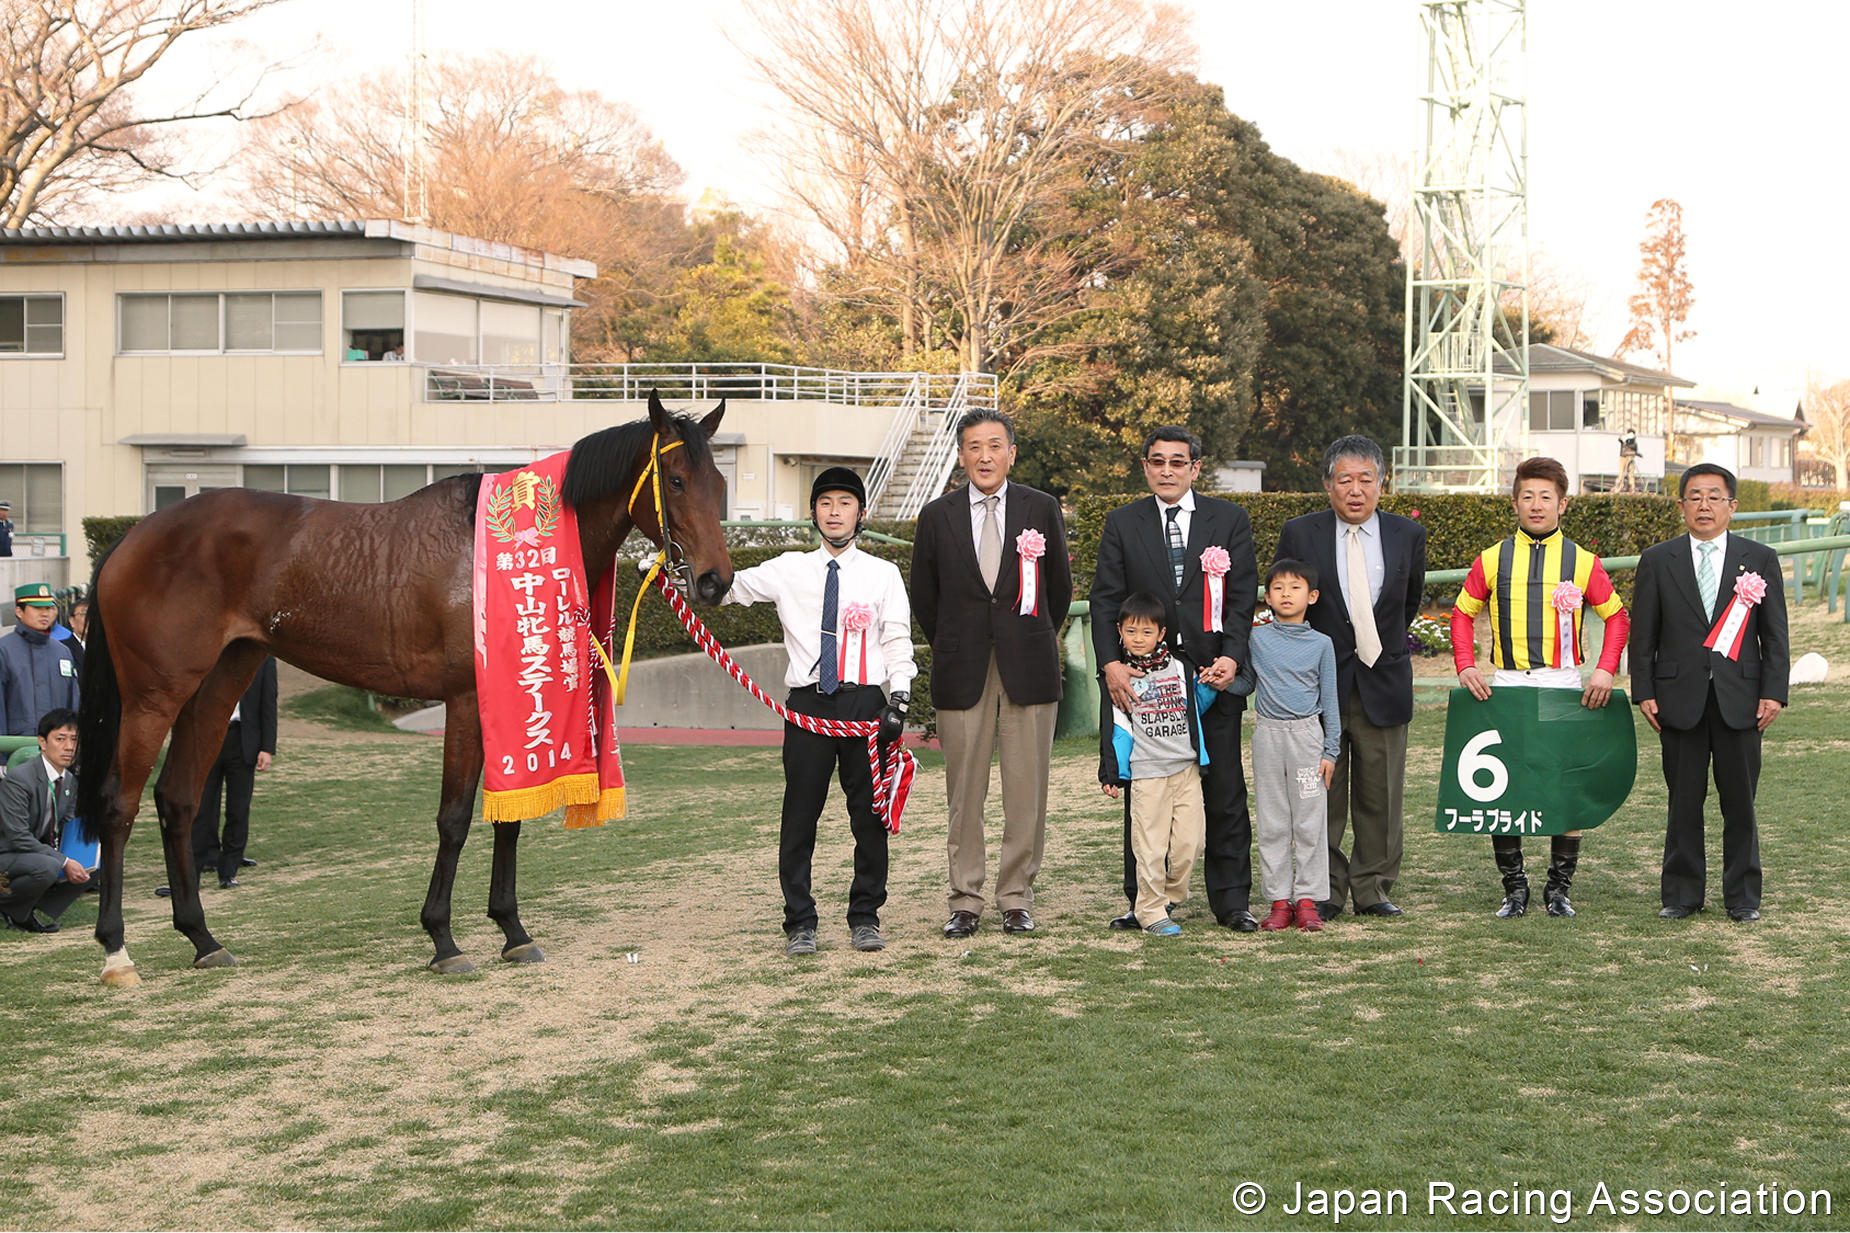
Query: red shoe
{"points": [[1280, 917], [1308, 919]]}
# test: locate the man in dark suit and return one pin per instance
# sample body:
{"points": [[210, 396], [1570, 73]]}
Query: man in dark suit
{"points": [[1156, 545], [250, 744], [1710, 705], [36, 800], [990, 597], [1376, 564]]}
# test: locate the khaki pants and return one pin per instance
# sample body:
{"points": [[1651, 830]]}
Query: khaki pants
{"points": [[1367, 790], [969, 739], [1169, 827]]}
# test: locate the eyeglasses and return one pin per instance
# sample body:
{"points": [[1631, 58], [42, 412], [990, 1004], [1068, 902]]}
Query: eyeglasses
{"points": [[1177, 463], [1707, 499]]}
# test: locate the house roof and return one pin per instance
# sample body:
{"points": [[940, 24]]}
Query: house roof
{"points": [[1546, 357], [1741, 415], [305, 229]]}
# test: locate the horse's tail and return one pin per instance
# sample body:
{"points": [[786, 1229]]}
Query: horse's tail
{"points": [[99, 724]]}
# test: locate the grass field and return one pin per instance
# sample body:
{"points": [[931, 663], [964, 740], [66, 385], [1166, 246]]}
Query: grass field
{"points": [[1075, 1078]]}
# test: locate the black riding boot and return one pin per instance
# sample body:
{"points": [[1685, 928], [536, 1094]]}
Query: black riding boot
{"points": [[1508, 851], [1563, 859]]}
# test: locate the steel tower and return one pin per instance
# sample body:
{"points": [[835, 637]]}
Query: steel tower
{"points": [[1464, 405]]}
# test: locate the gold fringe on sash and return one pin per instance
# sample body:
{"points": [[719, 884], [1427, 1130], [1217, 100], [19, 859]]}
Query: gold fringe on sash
{"points": [[608, 807], [570, 791]]}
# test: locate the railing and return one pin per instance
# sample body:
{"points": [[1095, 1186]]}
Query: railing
{"points": [[940, 455], [898, 433], [697, 381]]}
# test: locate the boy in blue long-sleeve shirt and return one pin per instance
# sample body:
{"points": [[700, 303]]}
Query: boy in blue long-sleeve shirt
{"points": [[1297, 734]]}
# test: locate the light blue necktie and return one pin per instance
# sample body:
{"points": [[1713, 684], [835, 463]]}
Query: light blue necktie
{"points": [[1705, 578]]}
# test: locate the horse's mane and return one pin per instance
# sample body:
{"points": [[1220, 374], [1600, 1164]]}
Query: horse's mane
{"points": [[605, 463]]}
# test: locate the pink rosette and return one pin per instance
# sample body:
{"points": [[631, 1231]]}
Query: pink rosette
{"points": [[856, 620], [857, 617], [1215, 562], [1567, 597], [1730, 629], [1214, 566], [1566, 600], [1031, 544], [1030, 547], [1750, 589]]}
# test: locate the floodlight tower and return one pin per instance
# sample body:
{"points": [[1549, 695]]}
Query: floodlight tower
{"points": [[1464, 403], [416, 197]]}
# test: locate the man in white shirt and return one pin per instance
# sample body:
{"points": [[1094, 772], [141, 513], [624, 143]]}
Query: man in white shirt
{"points": [[848, 631], [36, 802]]}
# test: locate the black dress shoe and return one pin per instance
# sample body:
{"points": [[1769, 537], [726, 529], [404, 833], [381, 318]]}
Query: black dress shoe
{"points": [[32, 924], [1126, 921], [228, 883], [1240, 922], [1677, 911], [1329, 909], [1743, 914], [961, 925], [1384, 908], [163, 891], [245, 862], [208, 869], [1017, 920]]}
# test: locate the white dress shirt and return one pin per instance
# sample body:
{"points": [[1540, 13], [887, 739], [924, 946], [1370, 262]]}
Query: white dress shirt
{"points": [[1371, 553], [1721, 554], [977, 498], [1183, 519], [794, 582]]}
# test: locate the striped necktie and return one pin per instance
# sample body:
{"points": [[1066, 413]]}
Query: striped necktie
{"points": [[1705, 577], [1175, 545], [827, 670]]}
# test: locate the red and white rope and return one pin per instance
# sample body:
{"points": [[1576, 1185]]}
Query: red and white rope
{"points": [[893, 771]]}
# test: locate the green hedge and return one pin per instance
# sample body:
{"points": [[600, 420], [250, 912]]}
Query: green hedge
{"points": [[1753, 496], [1458, 526], [100, 531]]}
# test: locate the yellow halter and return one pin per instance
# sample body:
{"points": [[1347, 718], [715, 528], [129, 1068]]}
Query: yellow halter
{"points": [[619, 680]]}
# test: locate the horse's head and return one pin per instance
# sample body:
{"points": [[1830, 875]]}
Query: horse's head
{"points": [[693, 496]]}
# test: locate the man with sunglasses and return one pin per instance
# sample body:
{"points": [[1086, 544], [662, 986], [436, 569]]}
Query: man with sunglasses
{"points": [[1195, 552]]}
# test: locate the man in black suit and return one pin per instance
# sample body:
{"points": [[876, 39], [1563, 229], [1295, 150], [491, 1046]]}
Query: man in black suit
{"points": [[995, 662], [1710, 705], [1376, 564], [36, 800], [1156, 545], [250, 744]]}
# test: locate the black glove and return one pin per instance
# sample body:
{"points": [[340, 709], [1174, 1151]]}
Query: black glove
{"points": [[893, 717]]}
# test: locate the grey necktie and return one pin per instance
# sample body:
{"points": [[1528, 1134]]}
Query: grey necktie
{"points": [[1705, 577], [1176, 550], [989, 545]]}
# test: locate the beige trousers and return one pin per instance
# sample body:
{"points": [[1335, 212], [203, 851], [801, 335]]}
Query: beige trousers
{"points": [[1169, 827], [970, 739]]}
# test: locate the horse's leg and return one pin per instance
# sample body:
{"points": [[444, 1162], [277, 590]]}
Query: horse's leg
{"points": [[136, 746], [462, 771], [198, 735], [504, 902]]}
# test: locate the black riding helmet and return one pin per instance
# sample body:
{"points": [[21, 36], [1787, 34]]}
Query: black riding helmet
{"points": [[839, 479]]}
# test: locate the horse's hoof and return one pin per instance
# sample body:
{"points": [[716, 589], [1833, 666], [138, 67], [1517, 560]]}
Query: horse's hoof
{"points": [[455, 965], [220, 958], [125, 977], [526, 952]]}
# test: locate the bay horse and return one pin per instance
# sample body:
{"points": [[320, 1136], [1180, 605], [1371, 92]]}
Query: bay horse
{"points": [[184, 608]]}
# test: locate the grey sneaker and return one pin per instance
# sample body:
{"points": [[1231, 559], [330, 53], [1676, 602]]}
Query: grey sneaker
{"points": [[867, 937], [802, 942]]}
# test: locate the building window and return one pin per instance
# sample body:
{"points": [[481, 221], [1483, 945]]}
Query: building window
{"points": [[1756, 451], [372, 325], [301, 480], [36, 490], [31, 325], [445, 329], [1552, 410], [249, 322], [510, 333], [371, 483]]}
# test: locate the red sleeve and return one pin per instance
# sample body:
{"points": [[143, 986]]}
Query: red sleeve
{"points": [[1464, 655], [1612, 645]]}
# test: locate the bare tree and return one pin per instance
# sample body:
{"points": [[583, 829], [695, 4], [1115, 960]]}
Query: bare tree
{"points": [[1827, 410], [69, 122], [932, 139], [1665, 295]]}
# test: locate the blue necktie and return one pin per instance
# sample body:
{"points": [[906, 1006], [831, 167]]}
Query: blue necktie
{"points": [[1706, 580], [1175, 545], [826, 667]]}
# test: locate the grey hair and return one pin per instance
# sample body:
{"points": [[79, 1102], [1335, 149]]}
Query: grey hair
{"points": [[1353, 446], [983, 415]]}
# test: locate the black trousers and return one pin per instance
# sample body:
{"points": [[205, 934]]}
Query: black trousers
{"points": [[810, 761], [33, 883], [1227, 860], [1688, 755], [235, 779]]}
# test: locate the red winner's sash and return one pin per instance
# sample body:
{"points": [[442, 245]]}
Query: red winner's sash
{"points": [[548, 731]]}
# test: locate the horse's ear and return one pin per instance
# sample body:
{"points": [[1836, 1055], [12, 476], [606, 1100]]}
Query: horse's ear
{"points": [[711, 422], [658, 414]]}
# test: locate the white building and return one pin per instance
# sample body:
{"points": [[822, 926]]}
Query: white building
{"points": [[1752, 444]]}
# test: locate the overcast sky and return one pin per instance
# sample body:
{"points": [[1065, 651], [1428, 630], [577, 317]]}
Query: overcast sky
{"points": [[1737, 111]]}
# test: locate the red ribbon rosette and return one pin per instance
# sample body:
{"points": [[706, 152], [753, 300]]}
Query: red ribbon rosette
{"points": [[1566, 599], [1214, 566], [1030, 547], [856, 620], [1731, 630]]}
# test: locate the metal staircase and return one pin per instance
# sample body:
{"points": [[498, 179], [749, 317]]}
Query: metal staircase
{"points": [[920, 450]]}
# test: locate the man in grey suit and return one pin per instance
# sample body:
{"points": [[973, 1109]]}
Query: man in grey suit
{"points": [[36, 800], [1374, 567], [1710, 703]]}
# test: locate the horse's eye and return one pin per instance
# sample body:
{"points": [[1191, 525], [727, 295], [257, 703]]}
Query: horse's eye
{"points": [[675, 482]]}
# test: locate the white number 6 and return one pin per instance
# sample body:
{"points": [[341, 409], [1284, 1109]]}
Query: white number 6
{"points": [[1472, 759]]}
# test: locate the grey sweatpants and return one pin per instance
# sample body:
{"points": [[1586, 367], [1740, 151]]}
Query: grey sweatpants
{"points": [[1288, 808]]}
